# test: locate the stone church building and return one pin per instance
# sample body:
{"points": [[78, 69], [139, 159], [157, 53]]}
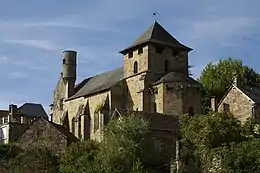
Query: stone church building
{"points": [[153, 79]]}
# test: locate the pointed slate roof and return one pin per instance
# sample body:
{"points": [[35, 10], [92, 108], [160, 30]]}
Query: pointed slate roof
{"points": [[33, 110], [156, 34]]}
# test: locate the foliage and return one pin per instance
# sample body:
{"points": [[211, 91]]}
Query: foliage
{"points": [[35, 159], [7, 153], [204, 135], [217, 78], [79, 157], [122, 143], [120, 150]]}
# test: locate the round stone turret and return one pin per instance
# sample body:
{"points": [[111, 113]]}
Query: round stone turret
{"points": [[69, 64]]}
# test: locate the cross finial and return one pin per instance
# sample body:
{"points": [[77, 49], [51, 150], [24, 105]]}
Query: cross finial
{"points": [[154, 14]]}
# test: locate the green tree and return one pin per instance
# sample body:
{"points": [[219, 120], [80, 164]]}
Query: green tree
{"points": [[7, 153], [35, 159], [217, 78], [203, 134], [80, 157], [122, 143]]}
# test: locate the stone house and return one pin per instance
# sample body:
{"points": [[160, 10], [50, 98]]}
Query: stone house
{"points": [[45, 133], [15, 120], [154, 79], [242, 101]]}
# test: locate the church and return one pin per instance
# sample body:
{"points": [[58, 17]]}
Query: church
{"points": [[154, 78]]}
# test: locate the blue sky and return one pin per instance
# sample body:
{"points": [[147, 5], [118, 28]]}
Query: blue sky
{"points": [[34, 33]]}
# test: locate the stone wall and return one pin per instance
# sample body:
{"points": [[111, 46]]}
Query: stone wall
{"points": [[93, 101], [237, 103], [43, 134], [141, 59], [58, 99]]}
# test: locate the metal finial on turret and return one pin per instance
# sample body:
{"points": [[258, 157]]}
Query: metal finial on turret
{"points": [[154, 14]]}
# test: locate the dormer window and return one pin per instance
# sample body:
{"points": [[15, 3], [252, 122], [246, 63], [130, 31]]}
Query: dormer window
{"points": [[159, 49], [140, 50], [135, 67], [130, 54]]}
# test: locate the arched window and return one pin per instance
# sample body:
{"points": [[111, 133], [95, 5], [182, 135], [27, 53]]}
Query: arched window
{"points": [[135, 67], [73, 125], [166, 66], [191, 111], [96, 121], [79, 128]]}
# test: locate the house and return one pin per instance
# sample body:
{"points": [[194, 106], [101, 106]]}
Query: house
{"points": [[153, 79], [242, 101], [42, 132], [15, 120]]}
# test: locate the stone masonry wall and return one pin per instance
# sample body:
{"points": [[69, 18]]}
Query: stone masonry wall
{"points": [[95, 100], [43, 134], [141, 59], [239, 104], [57, 112]]}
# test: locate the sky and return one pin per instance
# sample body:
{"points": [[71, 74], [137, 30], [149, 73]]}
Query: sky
{"points": [[33, 35]]}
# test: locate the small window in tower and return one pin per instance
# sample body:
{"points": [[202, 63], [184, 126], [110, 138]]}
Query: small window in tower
{"points": [[63, 61], [166, 66], [191, 111], [61, 104], [130, 54], [159, 49], [135, 67], [140, 50]]}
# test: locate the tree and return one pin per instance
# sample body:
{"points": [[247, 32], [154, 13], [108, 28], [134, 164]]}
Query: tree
{"points": [[217, 78], [7, 153], [122, 146], [201, 135], [80, 157], [35, 159]]}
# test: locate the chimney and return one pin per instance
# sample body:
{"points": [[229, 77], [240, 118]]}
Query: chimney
{"points": [[69, 71], [214, 104], [12, 111], [235, 80]]}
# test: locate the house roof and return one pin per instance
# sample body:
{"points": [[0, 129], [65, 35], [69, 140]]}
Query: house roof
{"points": [[99, 83], [252, 92], [33, 110], [3, 113], [63, 130], [176, 77], [156, 34]]}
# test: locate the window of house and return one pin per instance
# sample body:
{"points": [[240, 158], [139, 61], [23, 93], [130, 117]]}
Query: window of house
{"points": [[140, 50], [159, 145], [226, 107], [79, 128], [96, 121], [135, 67], [39, 133], [166, 66], [159, 49], [191, 111], [73, 125], [130, 54]]}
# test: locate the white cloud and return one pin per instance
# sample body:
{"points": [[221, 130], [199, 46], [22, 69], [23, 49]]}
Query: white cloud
{"points": [[40, 44]]}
